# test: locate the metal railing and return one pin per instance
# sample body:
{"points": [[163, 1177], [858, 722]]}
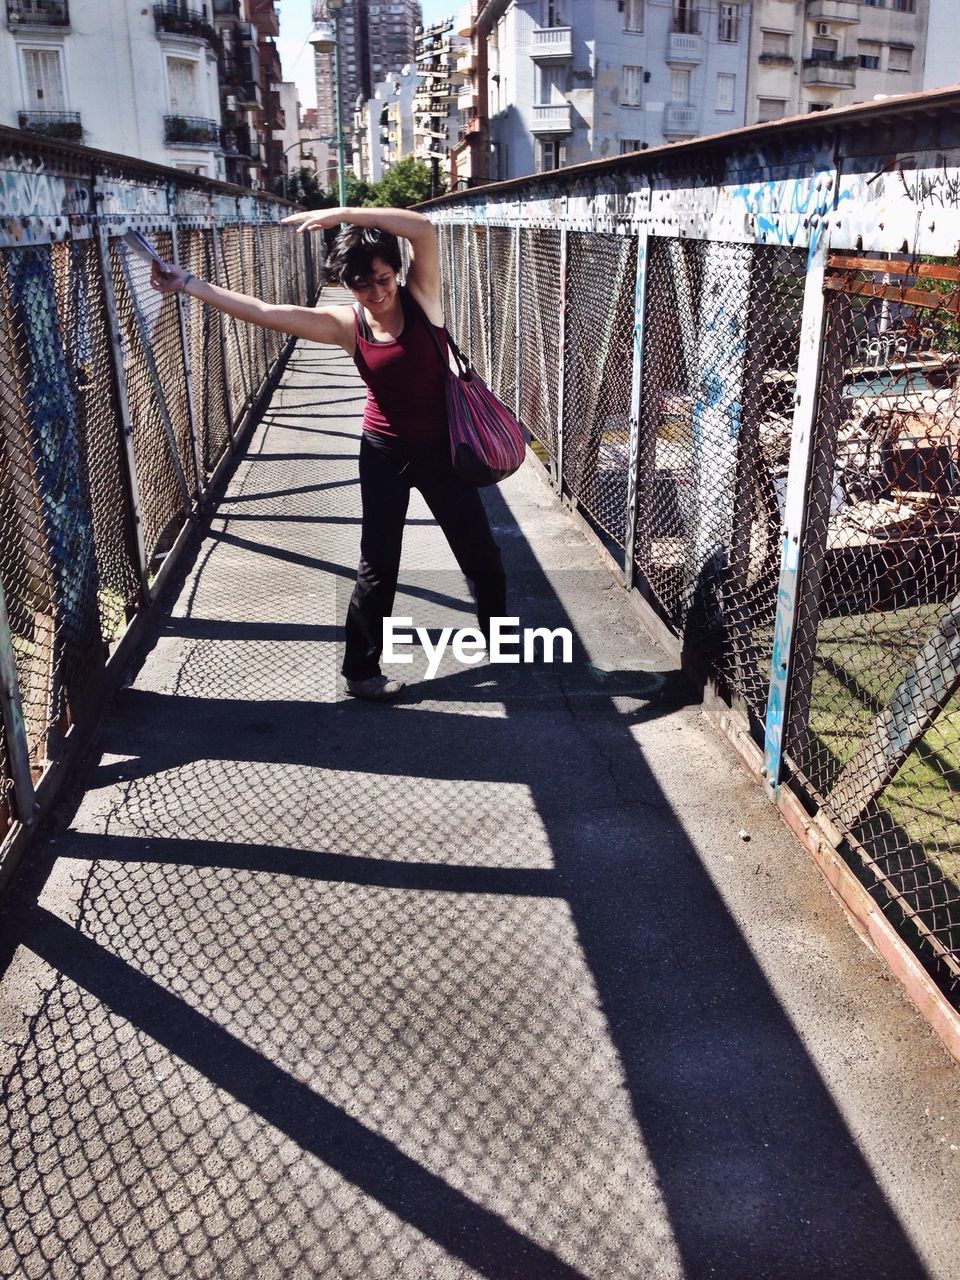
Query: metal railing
{"points": [[192, 130], [119, 410], [748, 385], [52, 124], [42, 13]]}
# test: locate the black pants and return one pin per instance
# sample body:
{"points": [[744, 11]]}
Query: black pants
{"points": [[388, 471]]}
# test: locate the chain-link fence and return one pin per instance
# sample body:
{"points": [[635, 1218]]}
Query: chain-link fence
{"points": [[690, 449], [874, 722], [116, 406]]}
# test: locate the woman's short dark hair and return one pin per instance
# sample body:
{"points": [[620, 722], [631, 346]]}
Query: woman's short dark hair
{"points": [[350, 261]]}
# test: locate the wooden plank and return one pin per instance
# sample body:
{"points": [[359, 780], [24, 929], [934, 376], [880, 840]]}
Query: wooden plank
{"points": [[931, 681], [894, 267], [928, 298]]}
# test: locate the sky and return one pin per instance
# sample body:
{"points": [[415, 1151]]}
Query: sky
{"points": [[296, 56]]}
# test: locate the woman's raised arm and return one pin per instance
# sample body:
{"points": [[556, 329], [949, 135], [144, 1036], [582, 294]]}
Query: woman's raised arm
{"points": [[423, 277], [333, 325]]}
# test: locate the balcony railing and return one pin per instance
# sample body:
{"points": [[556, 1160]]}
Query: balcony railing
{"points": [[679, 121], [191, 131], [842, 11], [53, 124], [832, 73], [553, 117], [684, 47], [38, 13], [173, 19], [552, 42]]}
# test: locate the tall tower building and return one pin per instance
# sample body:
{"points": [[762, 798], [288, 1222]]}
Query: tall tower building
{"points": [[375, 37]]}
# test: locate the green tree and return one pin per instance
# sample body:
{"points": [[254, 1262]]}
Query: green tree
{"points": [[304, 189], [357, 192], [407, 183]]}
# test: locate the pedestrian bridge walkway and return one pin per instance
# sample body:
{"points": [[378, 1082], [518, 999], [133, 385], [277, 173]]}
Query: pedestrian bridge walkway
{"points": [[483, 984]]}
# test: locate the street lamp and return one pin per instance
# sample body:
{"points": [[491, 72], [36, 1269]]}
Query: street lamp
{"points": [[324, 38]]}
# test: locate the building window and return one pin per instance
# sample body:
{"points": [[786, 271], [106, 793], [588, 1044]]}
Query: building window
{"points": [[868, 55], [550, 155], [824, 50], [631, 86], [633, 15], [630, 144], [729, 23], [550, 84], [898, 59], [555, 13], [874, 4], [686, 20], [770, 109], [680, 81], [813, 107], [43, 76], [904, 6], [726, 91], [182, 82], [775, 44]]}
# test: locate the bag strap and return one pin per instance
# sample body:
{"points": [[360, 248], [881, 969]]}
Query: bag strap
{"points": [[463, 364]]}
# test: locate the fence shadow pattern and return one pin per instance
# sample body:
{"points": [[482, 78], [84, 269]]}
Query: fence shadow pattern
{"points": [[116, 407], [663, 381]]}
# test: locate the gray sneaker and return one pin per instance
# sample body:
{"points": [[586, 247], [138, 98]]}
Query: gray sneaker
{"points": [[376, 688]]}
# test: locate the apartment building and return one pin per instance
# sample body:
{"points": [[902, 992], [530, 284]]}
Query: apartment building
{"points": [[573, 80], [140, 80], [436, 108], [809, 55]]}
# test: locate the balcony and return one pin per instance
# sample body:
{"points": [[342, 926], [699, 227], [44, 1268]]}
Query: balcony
{"points": [[191, 131], [830, 73], [37, 13], [841, 11], [684, 48], [264, 16], [467, 98], [551, 42], [171, 19], [776, 59], [52, 124], [553, 117], [679, 121], [226, 8]]}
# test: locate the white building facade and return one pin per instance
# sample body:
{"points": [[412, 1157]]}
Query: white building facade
{"points": [[137, 80], [942, 63], [575, 80], [817, 54]]}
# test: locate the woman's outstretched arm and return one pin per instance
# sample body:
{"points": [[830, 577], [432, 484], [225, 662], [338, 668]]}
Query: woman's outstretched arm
{"points": [[423, 277], [333, 325]]}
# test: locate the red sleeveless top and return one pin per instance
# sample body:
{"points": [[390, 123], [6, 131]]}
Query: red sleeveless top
{"points": [[406, 381]]}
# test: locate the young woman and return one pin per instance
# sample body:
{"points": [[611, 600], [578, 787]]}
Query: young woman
{"points": [[405, 441]]}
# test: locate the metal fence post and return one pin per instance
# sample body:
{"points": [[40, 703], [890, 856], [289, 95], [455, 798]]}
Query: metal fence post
{"points": [[561, 361], [199, 478], [797, 507], [16, 733], [126, 427], [517, 348], [488, 295], [634, 488]]}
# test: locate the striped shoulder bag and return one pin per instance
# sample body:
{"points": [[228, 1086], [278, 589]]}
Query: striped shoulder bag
{"points": [[487, 443]]}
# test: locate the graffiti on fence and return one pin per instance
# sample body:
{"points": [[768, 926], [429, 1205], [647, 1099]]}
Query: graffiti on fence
{"points": [[34, 194], [132, 199], [794, 209]]}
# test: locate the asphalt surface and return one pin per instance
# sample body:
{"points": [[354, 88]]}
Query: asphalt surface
{"points": [[481, 984]]}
